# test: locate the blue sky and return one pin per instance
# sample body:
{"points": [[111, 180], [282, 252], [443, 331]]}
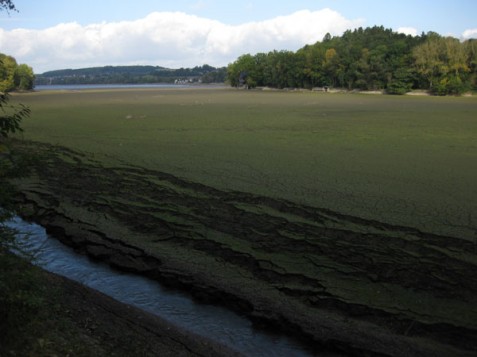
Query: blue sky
{"points": [[211, 31], [445, 17]]}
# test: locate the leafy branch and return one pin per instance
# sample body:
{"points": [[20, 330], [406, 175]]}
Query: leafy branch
{"points": [[11, 116], [7, 5]]}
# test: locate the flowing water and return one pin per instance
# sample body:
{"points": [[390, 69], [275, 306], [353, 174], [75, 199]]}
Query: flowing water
{"points": [[214, 322]]}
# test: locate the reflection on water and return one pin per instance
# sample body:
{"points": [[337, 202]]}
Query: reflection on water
{"points": [[213, 322]]}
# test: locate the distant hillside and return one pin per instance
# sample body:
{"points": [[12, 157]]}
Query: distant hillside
{"points": [[132, 75]]}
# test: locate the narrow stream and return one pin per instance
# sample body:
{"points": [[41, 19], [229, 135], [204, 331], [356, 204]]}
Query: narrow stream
{"points": [[214, 322]]}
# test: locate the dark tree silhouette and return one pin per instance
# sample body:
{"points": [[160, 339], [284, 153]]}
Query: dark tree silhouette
{"points": [[7, 5]]}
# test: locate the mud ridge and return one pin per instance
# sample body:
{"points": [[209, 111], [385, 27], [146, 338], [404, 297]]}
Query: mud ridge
{"points": [[345, 283]]}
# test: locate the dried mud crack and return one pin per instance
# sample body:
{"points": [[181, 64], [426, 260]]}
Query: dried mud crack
{"points": [[339, 282]]}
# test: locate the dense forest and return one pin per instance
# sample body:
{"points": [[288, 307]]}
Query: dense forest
{"points": [[132, 75], [366, 59], [14, 76]]}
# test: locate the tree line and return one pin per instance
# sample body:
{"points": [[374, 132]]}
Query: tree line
{"points": [[374, 58], [131, 75], [14, 76]]}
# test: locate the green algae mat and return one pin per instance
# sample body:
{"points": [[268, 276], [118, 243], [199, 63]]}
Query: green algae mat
{"points": [[349, 219], [397, 159]]}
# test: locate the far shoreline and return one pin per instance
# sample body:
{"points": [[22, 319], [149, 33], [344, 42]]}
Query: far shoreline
{"points": [[77, 87]]}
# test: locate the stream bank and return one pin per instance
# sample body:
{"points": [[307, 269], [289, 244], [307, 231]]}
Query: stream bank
{"points": [[82, 322], [205, 324]]}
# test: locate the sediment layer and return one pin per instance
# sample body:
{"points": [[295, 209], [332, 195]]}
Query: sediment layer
{"points": [[341, 283]]}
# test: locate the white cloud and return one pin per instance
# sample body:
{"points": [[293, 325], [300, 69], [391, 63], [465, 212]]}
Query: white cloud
{"points": [[407, 31], [470, 33], [169, 39]]}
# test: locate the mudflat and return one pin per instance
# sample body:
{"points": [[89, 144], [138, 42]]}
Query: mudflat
{"points": [[329, 216]]}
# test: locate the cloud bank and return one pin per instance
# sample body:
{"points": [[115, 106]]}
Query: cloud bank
{"points": [[407, 31], [470, 33], [169, 39]]}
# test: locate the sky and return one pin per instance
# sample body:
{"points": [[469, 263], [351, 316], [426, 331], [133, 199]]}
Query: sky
{"points": [[60, 34]]}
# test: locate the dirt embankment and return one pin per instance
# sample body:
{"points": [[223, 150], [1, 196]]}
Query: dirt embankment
{"points": [[104, 327], [339, 282]]}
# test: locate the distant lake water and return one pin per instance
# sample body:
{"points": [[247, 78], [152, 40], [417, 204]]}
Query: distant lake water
{"points": [[75, 87]]}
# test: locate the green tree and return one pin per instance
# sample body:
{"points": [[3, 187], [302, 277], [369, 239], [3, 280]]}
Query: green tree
{"points": [[284, 69], [364, 71], [378, 66], [24, 77], [8, 66], [427, 60], [401, 81], [443, 62], [331, 67], [243, 71], [313, 57], [14, 76], [471, 54]]}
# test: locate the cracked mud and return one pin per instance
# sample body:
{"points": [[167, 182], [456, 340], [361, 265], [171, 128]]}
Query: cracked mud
{"points": [[336, 281]]}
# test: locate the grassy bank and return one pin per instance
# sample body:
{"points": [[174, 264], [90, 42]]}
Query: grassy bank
{"points": [[65, 318], [402, 160]]}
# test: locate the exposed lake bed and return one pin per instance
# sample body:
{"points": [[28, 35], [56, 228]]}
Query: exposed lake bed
{"points": [[384, 317], [345, 220]]}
